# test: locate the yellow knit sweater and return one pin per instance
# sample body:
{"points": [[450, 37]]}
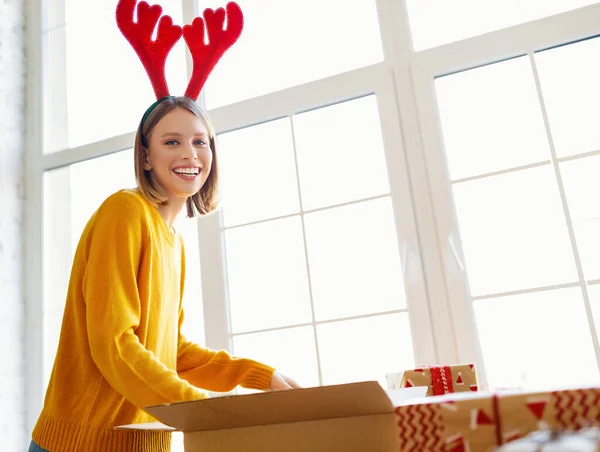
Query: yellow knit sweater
{"points": [[121, 348]]}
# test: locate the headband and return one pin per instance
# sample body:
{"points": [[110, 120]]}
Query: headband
{"points": [[153, 53]]}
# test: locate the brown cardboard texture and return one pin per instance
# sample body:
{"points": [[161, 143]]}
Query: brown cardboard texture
{"points": [[348, 417]]}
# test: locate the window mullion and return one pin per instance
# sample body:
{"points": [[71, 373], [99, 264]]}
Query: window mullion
{"points": [[189, 12], [214, 281], [434, 249], [33, 282], [457, 306]]}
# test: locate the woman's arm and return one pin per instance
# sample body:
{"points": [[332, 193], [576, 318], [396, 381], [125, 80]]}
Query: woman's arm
{"points": [[212, 370]]}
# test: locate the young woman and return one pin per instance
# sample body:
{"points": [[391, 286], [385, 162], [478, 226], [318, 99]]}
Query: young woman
{"points": [[121, 347]]}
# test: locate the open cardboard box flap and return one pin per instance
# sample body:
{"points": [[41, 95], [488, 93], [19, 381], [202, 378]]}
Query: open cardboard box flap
{"points": [[308, 404]]}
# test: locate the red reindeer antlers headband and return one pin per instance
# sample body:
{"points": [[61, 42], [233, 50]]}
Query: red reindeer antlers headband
{"points": [[153, 54]]}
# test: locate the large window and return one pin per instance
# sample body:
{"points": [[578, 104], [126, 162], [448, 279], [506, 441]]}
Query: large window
{"points": [[522, 149], [403, 183], [515, 143]]}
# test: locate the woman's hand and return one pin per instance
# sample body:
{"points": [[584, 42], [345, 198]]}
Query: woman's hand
{"points": [[280, 382]]}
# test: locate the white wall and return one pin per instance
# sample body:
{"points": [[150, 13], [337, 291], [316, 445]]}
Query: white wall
{"points": [[12, 198]]}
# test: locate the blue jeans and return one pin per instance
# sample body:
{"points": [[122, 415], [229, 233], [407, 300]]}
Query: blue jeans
{"points": [[33, 447]]}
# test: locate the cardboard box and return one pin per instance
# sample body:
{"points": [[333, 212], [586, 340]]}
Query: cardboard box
{"points": [[364, 417], [440, 379], [350, 417]]}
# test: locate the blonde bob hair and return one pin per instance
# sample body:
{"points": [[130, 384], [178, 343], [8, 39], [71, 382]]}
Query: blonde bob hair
{"points": [[206, 199]]}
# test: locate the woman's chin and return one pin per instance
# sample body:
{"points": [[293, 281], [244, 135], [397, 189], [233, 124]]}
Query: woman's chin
{"points": [[187, 190]]}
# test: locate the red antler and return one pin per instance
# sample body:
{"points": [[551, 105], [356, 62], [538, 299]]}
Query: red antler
{"points": [[206, 56], [153, 54]]}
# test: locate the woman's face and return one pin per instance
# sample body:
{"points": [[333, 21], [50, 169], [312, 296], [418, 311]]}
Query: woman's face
{"points": [[179, 153]]}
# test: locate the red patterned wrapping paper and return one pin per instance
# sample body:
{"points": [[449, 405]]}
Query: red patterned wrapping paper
{"points": [[570, 409], [442, 379], [479, 422], [448, 423]]}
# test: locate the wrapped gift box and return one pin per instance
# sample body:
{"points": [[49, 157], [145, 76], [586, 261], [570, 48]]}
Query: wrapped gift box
{"points": [[439, 379], [570, 409], [453, 423], [478, 422]]}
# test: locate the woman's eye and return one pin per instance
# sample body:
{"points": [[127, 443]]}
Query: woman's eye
{"points": [[171, 143], [200, 143]]}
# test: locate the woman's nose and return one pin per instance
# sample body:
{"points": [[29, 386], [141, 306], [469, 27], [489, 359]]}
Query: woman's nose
{"points": [[189, 151]]}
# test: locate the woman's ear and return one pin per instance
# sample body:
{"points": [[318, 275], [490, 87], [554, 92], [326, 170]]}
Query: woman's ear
{"points": [[147, 165]]}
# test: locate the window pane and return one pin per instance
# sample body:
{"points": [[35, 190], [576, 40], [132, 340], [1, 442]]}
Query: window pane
{"points": [[588, 245], [90, 186], [55, 14], [513, 232], [266, 269], [365, 349], [107, 84], [258, 173], [437, 22], [291, 351], [285, 44], [569, 77], [58, 244], [594, 294], [582, 185], [193, 326], [491, 119], [340, 153], [354, 260], [536, 340], [52, 324]]}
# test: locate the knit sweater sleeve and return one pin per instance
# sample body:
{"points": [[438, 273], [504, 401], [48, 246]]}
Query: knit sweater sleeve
{"points": [[113, 309], [216, 370]]}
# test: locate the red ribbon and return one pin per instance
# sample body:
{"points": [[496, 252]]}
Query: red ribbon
{"points": [[497, 418], [441, 380]]}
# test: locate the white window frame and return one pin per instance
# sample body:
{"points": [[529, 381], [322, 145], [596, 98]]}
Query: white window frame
{"points": [[400, 56]]}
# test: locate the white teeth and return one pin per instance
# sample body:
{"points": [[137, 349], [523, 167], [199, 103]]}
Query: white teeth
{"points": [[192, 171]]}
